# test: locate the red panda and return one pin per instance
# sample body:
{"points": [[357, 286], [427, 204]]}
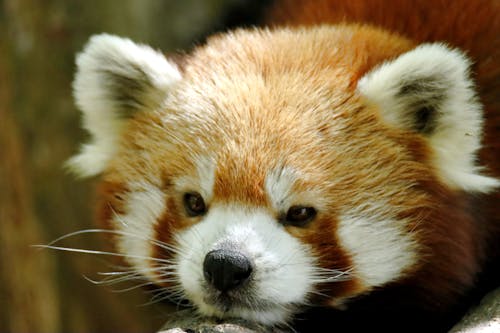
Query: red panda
{"points": [[345, 157]]}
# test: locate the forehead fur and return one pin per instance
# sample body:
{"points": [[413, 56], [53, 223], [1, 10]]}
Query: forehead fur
{"points": [[348, 51], [249, 106]]}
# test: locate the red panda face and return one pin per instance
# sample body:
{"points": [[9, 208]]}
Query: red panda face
{"points": [[274, 171]]}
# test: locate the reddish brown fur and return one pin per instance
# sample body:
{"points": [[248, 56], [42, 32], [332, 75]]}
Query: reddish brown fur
{"points": [[112, 199], [459, 231], [257, 157], [166, 226], [453, 242], [473, 26]]}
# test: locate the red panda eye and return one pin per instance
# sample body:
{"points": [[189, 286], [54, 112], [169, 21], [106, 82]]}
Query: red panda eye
{"points": [[194, 204], [299, 216]]}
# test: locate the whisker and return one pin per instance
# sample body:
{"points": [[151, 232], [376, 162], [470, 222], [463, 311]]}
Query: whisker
{"points": [[319, 293], [70, 249], [116, 232], [118, 217], [325, 275], [174, 294], [115, 273], [168, 280], [133, 287], [110, 281]]}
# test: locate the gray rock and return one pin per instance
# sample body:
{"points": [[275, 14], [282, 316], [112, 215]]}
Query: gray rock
{"points": [[186, 321], [484, 318]]}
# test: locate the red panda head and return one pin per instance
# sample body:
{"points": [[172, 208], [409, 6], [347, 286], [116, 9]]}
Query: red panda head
{"points": [[276, 169]]}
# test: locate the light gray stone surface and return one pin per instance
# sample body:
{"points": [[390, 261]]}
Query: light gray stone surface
{"points": [[484, 318], [188, 322]]}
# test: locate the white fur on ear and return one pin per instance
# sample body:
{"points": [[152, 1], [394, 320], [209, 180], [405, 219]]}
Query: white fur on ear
{"points": [[428, 90], [115, 78]]}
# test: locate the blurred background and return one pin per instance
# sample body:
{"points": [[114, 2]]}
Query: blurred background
{"points": [[45, 290]]}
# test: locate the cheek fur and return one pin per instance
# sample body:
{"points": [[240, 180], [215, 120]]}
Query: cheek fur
{"points": [[133, 212], [111, 201], [336, 278], [145, 205], [381, 248], [166, 248], [363, 250]]}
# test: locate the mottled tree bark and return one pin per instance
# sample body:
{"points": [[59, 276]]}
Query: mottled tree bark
{"points": [[28, 296]]}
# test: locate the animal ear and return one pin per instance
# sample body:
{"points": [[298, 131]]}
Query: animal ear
{"points": [[115, 78], [428, 90]]}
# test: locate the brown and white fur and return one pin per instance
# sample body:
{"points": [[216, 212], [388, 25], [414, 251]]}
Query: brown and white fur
{"points": [[365, 112]]}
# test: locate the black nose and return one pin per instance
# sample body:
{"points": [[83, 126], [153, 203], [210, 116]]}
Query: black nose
{"points": [[226, 269]]}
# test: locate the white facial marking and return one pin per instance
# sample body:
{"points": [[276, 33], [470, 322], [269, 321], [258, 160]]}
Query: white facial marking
{"points": [[443, 73], [279, 186], [203, 181], [283, 267], [381, 248], [206, 174], [145, 205]]}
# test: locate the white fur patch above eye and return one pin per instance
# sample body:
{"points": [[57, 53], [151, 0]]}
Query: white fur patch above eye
{"points": [[429, 90], [203, 181], [280, 185], [381, 249], [115, 78]]}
